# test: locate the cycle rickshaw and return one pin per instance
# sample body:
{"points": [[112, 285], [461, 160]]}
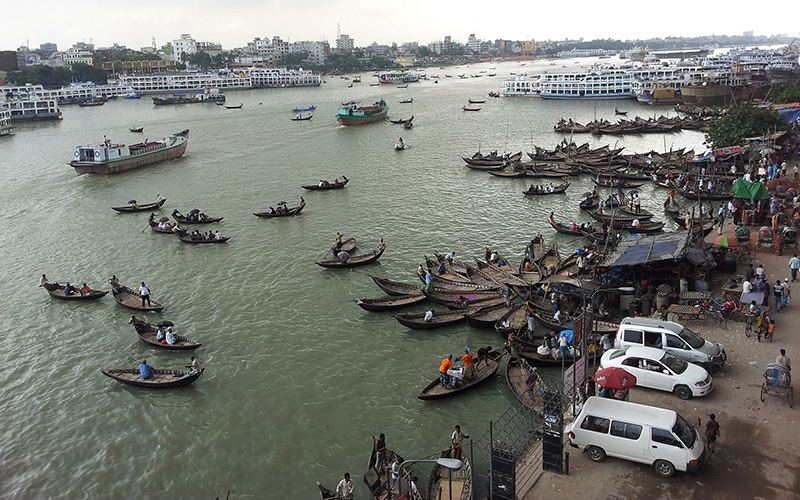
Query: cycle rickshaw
{"points": [[778, 383], [789, 236], [765, 237], [743, 239]]}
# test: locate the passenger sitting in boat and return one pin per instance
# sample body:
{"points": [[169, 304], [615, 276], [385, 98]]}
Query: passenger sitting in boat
{"points": [[336, 182], [69, 289], [526, 265], [217, 236], [500, 261], [343, 257], [271, 211], [493, 258], [428, 316], [202, 216], [160, 335], [441, 269], [85, 289], [574, 226], [171, 339], [145, 370]]}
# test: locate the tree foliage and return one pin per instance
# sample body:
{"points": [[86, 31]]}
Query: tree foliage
{"points": [[296, 59], [741, 121], [785, 92], [56, 77]]}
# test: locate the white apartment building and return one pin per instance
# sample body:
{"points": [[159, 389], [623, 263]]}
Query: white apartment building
{"points": [[316, 51]]}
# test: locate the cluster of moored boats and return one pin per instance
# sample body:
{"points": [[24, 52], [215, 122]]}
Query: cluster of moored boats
{"points": [[637, 125]]}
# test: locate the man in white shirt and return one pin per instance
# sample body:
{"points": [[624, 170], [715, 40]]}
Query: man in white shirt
{"points": [[747, 287], [144, 292], [344, 489], [171, 337]]}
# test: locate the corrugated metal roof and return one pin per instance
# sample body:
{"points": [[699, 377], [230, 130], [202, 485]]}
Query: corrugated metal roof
{"points": [[649, 248]]}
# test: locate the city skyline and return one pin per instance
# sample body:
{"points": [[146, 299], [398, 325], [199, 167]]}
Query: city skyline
{"points": [[236, 22]]}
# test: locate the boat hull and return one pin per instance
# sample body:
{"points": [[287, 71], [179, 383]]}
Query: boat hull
{"points": [[133, 162]]}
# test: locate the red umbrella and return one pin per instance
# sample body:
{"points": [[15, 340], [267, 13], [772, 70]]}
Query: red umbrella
{"points": [[614, 378]]}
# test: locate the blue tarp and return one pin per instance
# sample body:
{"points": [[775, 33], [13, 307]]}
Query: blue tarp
{"points": [[789, 114], [647, 249]]}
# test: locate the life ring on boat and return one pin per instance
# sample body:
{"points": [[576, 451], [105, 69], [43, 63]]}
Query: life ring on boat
{"points": [[97, 154], [76, 154]]}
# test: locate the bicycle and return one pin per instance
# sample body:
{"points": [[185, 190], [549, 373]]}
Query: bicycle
{"points": [[745, 254], [708, 310], [748, 324]]}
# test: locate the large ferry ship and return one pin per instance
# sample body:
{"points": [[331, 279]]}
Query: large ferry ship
{"points": [[223, 80], [5, 122], [33, 109], [398, 77], [593, 84], [76, 92], [523, 85]]}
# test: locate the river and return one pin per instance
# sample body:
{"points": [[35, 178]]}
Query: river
{"points": [[297, 376]]}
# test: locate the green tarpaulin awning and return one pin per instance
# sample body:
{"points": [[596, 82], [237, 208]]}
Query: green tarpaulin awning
{"points": [[750, 190]]}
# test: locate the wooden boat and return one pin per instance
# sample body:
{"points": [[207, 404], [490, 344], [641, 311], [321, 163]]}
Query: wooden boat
{"points": [[325, 185], [451, 270], [234, 106], [471, 108], [396, 288], [301, 118], [435, 390], [531, 191], [155, 228], [282, 211], [550, 260], [642, 214], [402, 121], [512, 321], [132, 206], [407, 101], [304, 109], [131, 299], [500, 274], [590, 202], [161, 379], [391, 302], [56, 290], [444, 483], [481, 278], [612, 182], [447, 297], [614, 216], [417, 321], [517, 372], [535, 358], [704, 196], [476, 101], [136, 129], [643, 227], [484, 318], [357, 260], [194, 217], [564, 228], [187, 238], [348, 245], [147, 334]]}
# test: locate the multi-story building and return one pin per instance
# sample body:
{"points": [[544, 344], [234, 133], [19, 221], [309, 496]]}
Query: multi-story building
{"points": [[78, 53], [316, 51], [266, 52], [184, 45], [344, 43]]}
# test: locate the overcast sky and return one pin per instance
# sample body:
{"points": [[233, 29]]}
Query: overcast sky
{"points": [[233, 23]]}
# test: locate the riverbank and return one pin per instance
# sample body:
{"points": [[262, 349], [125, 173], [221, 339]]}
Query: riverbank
{"points": [[758, 451]]}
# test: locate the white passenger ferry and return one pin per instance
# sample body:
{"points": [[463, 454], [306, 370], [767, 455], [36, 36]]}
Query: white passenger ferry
{"points": [[34, 109], [523, 85], [398, 77], [72, 93], [593, 84], [249, 78], [5, 122]]}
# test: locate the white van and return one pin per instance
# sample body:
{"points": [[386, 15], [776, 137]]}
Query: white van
{"points": [[672, 337], [639, 433]]}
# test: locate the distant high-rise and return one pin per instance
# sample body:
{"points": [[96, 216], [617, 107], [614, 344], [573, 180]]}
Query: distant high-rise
{"points": [[344, 43]]}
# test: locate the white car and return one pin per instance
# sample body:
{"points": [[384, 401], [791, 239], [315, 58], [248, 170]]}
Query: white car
{"points": [[660, 370]]}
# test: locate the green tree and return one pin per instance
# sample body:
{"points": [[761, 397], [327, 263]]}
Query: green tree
{"points": [[423, 51], [741, 121], [785, 92], [87, 73], [296, 59]]}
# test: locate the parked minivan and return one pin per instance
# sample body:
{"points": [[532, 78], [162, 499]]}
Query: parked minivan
{"points": [[639, 433], [672, 337]]}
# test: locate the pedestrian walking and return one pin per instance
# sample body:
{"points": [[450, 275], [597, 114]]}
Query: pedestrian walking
{"points": [[712, 432], [794, 265]]}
